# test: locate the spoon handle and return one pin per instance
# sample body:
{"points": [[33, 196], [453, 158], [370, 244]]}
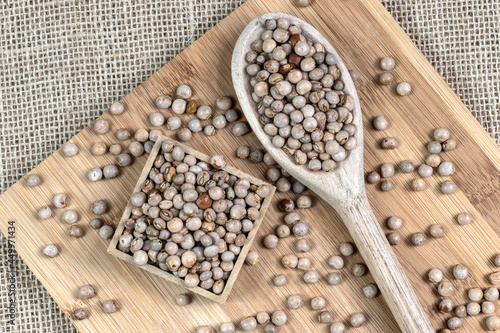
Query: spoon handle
{"points": [[383, 264]]}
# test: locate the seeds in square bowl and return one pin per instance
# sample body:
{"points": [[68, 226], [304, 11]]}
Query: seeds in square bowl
{"points": [[190, 222]]}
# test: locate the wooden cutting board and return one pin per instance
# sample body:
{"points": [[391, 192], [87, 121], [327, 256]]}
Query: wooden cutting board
{"points": [[362, 32]]}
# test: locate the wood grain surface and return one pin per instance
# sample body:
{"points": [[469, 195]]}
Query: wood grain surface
{"points": [[362, 32]]}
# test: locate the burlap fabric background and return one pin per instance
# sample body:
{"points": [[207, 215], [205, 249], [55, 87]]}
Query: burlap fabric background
{"points": [[64, 62]]}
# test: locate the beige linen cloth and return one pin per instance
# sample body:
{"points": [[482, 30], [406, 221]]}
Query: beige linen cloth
{"points": [[63, 62]]}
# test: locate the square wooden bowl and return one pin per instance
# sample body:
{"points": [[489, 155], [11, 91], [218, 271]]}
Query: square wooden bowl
{"points": [[112, 249]]}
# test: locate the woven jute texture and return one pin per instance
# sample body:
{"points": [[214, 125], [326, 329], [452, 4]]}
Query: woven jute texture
{"points": [[64, 62]]}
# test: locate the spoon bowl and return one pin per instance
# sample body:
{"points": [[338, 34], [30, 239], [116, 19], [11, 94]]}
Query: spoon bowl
{"points": [[343, 188]]}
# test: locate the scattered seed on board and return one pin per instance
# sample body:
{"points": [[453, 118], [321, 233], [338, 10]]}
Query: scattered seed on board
{"points": [[50, 250], [433, 160], [406, 166], [347, 249], [116, 108], [373, 177], [302, 246], [359, 270], [184, 134], [388, 143], [318, 303], [441, 134], [311, 277], [101, 126], [380, 123], [491, 294], [294, 301], [425, 171], [270, 241], [370, 290], [436, 231], [418, 239], [240, 129], [218, 161], [337, 327], [227, 328], [96, 223], [334, 278], [357, 320], [460, 311], [156, 119], [115, 149], [99, 207], [475, 294], [70, 216], [336, 262], [86, 292], [460, 272], [393, 238], [445, 289], [279, 318], [163, 102], [494, 278], [464, 219], [204, 329], [386, 186], [252, 258], [449, 144], [394, 222], [446, 169], [109, 306], [33, 180], [387, 170], [387, 63], [106, 232], [302, 3], [403, 88], [454, 323], [70, 149], [492, 323], [279, 280], [386, 79], [248, 324], [60, 200], [76, 231], [418, 185], [447, 187], [80, 314], [183, 299], [45, 213], [473, 309], [435, 275], [325, 317], [445, 305]]}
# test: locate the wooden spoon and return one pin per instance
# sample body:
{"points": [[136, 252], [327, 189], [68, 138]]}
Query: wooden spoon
{"points": [[343, 189]]}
